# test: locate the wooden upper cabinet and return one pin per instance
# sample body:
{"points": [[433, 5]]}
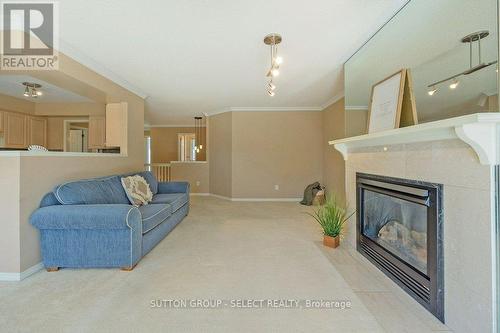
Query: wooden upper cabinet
{"points": [[55, 133], [116, 125], [2, 121], [15, 128], [97, 132], [37, 131]]}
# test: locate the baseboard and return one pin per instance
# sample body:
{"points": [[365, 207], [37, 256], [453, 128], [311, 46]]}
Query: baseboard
{"points": [[256, 199], [220, 197], [199, 194], [23, 275]]}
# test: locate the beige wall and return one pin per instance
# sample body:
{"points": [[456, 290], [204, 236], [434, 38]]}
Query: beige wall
{"points": [[197, 174], [70, 109], [220, 155], [37, 175], [276, 148], [356, 122], [334, 126], [9, 220], [164, 142], [10, 103]]}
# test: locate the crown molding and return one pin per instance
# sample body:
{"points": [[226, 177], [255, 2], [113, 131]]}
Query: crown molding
{"points": [[356, 108], [266, 109], [90, 63], [333, 100]]}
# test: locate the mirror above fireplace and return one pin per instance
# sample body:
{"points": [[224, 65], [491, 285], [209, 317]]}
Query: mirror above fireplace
{"points": [[439, 41]]}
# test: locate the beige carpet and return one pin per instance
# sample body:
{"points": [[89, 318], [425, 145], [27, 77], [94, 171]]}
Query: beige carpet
{"points": [[222, 250]]}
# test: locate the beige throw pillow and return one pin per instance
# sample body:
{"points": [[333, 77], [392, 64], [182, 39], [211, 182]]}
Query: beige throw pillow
{"points": [[137, 190]]}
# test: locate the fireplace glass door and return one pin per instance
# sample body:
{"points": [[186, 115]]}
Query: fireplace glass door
{"points": [[397, 225]]}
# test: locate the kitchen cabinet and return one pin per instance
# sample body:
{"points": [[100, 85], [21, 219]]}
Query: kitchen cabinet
{"points": [[116, 125], [15, 128], [37, 131], [55, 133], [97, 132]]}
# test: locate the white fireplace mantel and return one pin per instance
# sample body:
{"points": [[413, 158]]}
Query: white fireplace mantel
{"points": [[481, 131]]}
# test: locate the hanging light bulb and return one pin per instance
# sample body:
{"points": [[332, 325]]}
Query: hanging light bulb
{"points": [[454, 84], [278, 60], [432, 91], [27, 92], [275, 72], [33, 92]]}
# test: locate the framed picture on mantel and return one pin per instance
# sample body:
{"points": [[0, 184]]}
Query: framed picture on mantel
{"points": [[392, 103]]}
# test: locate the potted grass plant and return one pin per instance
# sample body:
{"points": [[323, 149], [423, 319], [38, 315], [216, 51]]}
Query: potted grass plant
{"points": [[332, 216]]}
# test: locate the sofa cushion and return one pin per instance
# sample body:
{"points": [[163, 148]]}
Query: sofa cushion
{"points": [[137, 190], [176, 200], [106, 190], [154, 214], [150, 179]]}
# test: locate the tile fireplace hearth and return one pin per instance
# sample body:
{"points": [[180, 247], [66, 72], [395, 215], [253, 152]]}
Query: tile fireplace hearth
{"points": [[399, 229]]}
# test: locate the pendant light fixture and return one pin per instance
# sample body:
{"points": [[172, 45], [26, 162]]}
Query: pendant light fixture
{"points": [[273, 40], [197, 134]]}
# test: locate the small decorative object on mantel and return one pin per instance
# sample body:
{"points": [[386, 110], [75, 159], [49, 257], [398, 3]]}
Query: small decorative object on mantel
{"points": [[332, 217], [392, 103]]}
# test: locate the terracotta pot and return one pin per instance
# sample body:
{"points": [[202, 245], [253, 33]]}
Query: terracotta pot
{"points": [[332, 242]]}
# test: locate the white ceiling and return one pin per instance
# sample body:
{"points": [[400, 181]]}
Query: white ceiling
{"points": [[198, 56], [12, 85]]}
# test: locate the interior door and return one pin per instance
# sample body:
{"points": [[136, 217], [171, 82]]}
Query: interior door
{"points": [[77, 141]]}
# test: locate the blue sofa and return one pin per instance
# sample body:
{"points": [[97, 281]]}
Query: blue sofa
{"points": [[91, 223]]}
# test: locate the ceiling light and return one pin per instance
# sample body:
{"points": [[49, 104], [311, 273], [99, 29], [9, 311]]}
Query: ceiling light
{"points": [[273, 40], [432, 91], [32, 89], [454, 84]]}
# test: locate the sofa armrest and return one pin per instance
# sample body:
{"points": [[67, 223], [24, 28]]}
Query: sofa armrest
{"points": [[115, 216], [173, 187]]}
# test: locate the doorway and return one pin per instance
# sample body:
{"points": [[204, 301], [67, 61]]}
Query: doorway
{"points": [[76, 136], [186, 143]]}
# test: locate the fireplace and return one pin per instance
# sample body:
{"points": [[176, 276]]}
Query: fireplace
{"points": [[399, 229]]}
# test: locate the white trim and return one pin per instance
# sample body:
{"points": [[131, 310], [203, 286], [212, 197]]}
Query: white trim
{"points": [[90, 63], [23, 275], [199, 194], [220, 196], [332, 100], [25, 153], [266, 109], [481, 131], [167, 126], [256, 199], [356, 108], [188, 162]]}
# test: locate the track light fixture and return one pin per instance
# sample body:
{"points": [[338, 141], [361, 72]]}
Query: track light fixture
{"points": [[470, 39], [273, 40], [32, 89]]}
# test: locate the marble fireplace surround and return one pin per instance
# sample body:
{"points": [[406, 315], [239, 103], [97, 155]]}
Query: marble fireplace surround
{"points": [[460, 153]]}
